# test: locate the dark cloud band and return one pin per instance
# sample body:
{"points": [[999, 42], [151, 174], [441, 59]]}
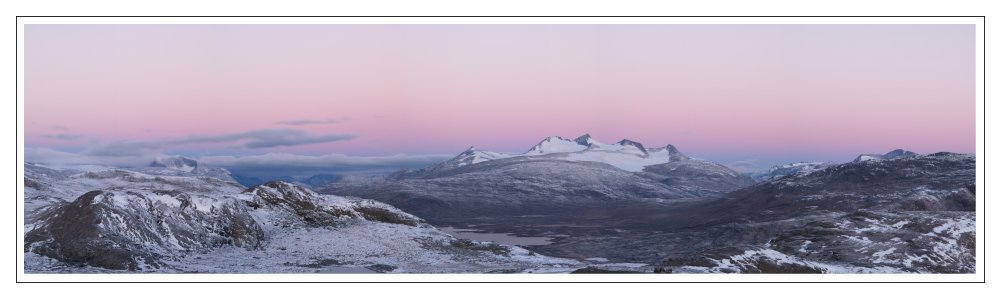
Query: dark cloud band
{"points": [[254, 139]]}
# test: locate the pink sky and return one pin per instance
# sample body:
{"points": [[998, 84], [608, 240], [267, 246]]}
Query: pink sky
{"points": [[715, 91]]}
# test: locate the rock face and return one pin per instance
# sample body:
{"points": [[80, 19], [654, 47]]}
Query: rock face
{"points": [[316, 209], [133, 229], [675, 155]]}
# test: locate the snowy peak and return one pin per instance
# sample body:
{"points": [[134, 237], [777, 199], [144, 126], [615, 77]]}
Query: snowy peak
{"points": [[183, 166], [585, 144], [469, 152], [555, 145], [626, 154], [894, 154], [792, 169], [473, 156], [633, 146], [674, 154], [898, 153], [584, 140], [175, 162]]}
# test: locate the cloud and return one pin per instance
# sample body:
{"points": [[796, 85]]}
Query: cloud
{"points": [[55, 157], [267, 138], [124, 148], [273, 164], [254, 139], [58, 127], [65, 137], [286, 159], [298, 122]]}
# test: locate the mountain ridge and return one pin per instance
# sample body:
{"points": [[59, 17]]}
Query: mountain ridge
{"points": [[127, 222], [555, 176], [626, 154]]}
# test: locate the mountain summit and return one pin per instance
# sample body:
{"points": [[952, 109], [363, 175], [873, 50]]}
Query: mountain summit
{"points": [[626, 154], [894, 154], [175, 162], [179, 165], [555, 145], [676, 155], [583, 140]]}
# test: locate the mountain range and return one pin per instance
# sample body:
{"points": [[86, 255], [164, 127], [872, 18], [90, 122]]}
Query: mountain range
{"points": [[556, 177], [913, 213], [604, 207], [119, 219]]}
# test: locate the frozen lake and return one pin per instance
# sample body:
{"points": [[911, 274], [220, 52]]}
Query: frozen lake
{"points": [[501, 238]]}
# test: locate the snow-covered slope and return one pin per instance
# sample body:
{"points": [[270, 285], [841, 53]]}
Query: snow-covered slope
{"points": [[626, 154], [45, 185], [551, 145], [135, 229], [124, 220], [474, 156], [914, 214]]}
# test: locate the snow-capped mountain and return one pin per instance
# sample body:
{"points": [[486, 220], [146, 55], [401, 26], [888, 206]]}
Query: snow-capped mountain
{"points": [[898, 212], [473, 156], [626, 154], [118, 219], [556, 176], [894, 154], [792, 169], [551, 145], [805, 168], [179, 165]]}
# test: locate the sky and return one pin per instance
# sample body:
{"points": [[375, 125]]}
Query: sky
{"points": [[736, 94]]}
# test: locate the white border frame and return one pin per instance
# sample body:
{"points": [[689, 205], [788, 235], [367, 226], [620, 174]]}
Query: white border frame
{"points": [[979, 276]]}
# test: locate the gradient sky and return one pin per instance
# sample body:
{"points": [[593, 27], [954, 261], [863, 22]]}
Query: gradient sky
{"points": [[723, 92]]}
